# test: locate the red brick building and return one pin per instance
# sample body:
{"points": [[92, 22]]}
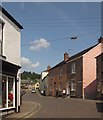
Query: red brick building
{"points": [[76, 74], [99, 60], [58, 77]]}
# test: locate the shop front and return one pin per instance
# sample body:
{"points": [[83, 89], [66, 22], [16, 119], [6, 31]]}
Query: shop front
{"points": [[8, 86]]}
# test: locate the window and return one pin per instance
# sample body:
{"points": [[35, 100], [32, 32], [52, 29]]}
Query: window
{"points": [[73, 85], [73, 68], [10, 92], [60, 72], [0, 38], [7, 93]]}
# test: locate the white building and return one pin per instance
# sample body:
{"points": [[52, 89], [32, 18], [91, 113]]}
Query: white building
{"points": [[10, 53]]}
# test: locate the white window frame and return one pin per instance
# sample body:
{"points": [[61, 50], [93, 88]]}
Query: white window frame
{"points": [[7, 76], [73, 85], [0, 38], [73, 68]]}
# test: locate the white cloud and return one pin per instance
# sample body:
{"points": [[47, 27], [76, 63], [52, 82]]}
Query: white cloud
{"points": [[26, 63], [39, 44]]}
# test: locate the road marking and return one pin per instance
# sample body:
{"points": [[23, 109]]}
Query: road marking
{"points": [[34, 111]]}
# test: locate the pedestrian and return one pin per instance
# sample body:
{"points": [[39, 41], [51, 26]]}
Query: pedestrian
{"points": [[64, 93], [56, 93]]}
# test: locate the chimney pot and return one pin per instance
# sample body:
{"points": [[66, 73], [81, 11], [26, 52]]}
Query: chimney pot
{"points": [[66, 57], [48, 68]]}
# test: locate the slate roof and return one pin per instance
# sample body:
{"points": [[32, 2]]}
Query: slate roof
{"points": [[74, 56], [81, 53]]}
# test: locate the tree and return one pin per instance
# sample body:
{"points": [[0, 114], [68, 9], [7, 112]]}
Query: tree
{"points": [[32, 76]]}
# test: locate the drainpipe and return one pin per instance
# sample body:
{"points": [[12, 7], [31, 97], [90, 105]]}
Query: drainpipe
{"points": [[83, 91]]}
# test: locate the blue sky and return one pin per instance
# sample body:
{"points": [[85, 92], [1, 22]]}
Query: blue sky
{"points": [[48, 27]]}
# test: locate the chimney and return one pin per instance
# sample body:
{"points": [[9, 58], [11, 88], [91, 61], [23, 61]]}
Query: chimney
{"points": [[48, 68], [66, 57], [100, 40]]}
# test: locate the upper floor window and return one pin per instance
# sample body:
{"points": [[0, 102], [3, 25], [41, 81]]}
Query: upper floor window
{"points": [[73, 68], [60, 72], [1, 36]]}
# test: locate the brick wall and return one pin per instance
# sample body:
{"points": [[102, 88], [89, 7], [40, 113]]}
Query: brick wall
{"points": [[76, 77], [57, 79]]}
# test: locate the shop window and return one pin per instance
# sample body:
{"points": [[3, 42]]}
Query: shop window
{"points": [[10, 92], [7, 93]]}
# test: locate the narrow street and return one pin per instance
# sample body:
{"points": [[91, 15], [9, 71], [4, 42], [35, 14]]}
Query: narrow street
{"points": [[52, 107]]}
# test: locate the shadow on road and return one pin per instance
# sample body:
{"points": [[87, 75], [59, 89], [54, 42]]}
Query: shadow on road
{"points": [[99, 106]]}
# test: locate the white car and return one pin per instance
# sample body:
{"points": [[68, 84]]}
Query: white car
{"points": [[33, 91]]}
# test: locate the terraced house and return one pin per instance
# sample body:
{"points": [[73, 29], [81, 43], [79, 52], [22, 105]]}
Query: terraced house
{"points": [[77, 74], [10, 39], [99, 74]]}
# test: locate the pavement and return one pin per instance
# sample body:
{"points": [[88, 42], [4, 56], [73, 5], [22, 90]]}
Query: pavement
{"points": [[27, 109]]}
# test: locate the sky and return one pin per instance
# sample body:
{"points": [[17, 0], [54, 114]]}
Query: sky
{"points": [[48, 28]]}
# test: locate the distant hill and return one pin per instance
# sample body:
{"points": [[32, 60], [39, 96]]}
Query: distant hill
{"points": [[30, 76]]}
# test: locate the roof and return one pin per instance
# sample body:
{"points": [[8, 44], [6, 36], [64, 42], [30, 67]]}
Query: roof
{"points": [[59, 64], [74, 56], [10, 17], [99, 55], [81, 53]]}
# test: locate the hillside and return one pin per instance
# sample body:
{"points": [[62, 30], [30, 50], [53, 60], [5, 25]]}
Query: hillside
{"points": [[30, 76]]}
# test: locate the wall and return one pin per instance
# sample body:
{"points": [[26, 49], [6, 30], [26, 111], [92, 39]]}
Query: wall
{"points": [[77, 76], [58, 79], [99, 61], [11, 41], [89, 72]]}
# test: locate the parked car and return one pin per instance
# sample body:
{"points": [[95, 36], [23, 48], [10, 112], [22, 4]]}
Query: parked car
{"points": [[33, 91]]}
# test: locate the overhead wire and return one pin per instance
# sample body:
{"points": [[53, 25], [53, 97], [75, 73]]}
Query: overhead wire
{"points": [[62, 38]]}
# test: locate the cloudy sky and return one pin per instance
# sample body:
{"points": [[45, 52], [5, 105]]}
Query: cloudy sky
{"points": [[48, 28]]}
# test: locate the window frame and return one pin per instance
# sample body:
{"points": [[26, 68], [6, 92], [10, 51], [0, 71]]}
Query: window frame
{"points": [[73, 85], [7, 77], [1, 39], [73, 68]]}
